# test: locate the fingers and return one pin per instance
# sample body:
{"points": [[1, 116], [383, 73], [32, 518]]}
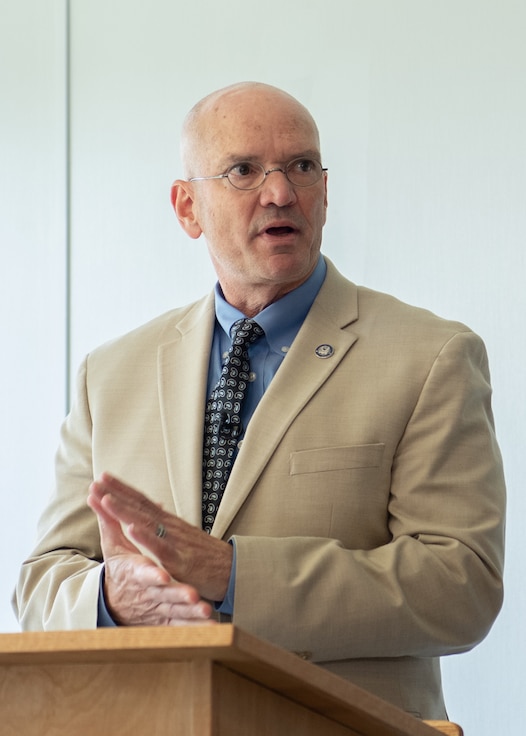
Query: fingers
{"points": [[135, 572], [114, 503], [138, 593], [125, 502], [113, 540], [173, 614]]}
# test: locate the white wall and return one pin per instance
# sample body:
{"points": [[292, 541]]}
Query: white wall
{"points": [[32, 271], [422, 111]]}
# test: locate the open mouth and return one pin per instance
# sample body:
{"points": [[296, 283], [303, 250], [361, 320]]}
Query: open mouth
{"points": [[279, 230]]}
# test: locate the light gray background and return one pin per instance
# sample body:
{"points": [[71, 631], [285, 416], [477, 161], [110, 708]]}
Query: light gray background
{"points": [[421, 107]]}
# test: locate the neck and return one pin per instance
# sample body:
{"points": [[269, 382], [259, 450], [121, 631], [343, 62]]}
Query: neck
{"points": [[255, 301], [251, 299]]}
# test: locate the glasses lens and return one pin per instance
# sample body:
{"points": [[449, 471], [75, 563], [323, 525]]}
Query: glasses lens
{"points": [[246, 175], [303, 172]]}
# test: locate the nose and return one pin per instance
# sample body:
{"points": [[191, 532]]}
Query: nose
{"points": [[277, 189]]}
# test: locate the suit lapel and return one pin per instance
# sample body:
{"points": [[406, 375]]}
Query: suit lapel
{"points": [[300, 376], [182, 375]]}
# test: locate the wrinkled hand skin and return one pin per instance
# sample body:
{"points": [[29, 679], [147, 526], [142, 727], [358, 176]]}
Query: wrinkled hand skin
{"points": [[192, 567]]}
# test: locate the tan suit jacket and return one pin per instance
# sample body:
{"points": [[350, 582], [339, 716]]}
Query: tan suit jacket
{"points": [[366, 501]]}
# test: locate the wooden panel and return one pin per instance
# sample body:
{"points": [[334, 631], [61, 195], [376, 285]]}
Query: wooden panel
{"points": [[101, 699], [243, 707]]}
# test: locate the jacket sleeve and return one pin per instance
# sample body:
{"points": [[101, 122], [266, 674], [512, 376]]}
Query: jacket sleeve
{"points": [[58, 585], [435, 587]]}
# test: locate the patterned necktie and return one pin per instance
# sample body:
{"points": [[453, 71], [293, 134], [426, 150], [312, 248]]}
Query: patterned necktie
{"points": [[223, 418]]}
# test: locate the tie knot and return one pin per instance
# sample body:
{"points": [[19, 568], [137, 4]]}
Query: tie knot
{"points": [[245, 332]]}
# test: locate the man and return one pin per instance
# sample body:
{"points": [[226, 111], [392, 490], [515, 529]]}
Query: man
{"points": [[361, 523]]}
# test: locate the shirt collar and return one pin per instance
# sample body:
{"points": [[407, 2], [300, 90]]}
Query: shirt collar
{"points": [[282, 319]]}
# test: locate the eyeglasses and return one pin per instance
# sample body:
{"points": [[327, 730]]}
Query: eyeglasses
{"points": [[301, 172]]}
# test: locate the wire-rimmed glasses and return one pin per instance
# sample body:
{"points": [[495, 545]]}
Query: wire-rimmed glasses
{"points": [[301, 172]]}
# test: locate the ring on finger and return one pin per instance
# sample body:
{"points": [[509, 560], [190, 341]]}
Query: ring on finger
{"points": [[160, 531]]}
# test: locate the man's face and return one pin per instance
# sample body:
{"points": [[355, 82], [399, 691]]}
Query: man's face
{"points": [[267, 239]]}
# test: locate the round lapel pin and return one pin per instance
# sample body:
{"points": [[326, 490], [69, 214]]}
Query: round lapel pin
{"points": [[324, 351]]}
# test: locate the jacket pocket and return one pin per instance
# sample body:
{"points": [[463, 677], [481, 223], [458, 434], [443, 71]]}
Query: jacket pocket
{"points": [[324, 459]]}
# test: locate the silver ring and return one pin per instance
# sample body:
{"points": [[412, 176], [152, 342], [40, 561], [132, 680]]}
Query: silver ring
{"points": [[160, 531]]}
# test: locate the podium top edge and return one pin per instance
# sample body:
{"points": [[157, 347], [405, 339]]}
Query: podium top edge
{"points": [[172, 640]]}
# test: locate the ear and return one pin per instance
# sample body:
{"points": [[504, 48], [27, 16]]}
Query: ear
{"points": [[183, 203]]}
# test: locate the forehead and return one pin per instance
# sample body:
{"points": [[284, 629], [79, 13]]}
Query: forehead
{"points": [[270, 126]]}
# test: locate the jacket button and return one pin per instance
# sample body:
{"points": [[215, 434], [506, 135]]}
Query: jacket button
{"points": [[304, 655]]}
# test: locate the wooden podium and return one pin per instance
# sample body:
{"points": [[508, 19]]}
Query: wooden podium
{"points": [[192, 681]]}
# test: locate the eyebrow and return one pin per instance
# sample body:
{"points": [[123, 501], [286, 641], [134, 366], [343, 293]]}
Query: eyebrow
{"points": [[235, 158]]}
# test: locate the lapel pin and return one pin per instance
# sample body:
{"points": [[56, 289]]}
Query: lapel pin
{"points": [[324, 351]]}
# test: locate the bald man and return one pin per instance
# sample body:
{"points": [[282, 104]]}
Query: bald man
{"points": [[350, 506]]}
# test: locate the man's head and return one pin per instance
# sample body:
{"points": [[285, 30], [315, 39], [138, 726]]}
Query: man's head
{"points": [[263, 242]]}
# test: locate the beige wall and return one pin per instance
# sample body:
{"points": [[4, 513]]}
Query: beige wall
{"points": [[422, 113]]}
